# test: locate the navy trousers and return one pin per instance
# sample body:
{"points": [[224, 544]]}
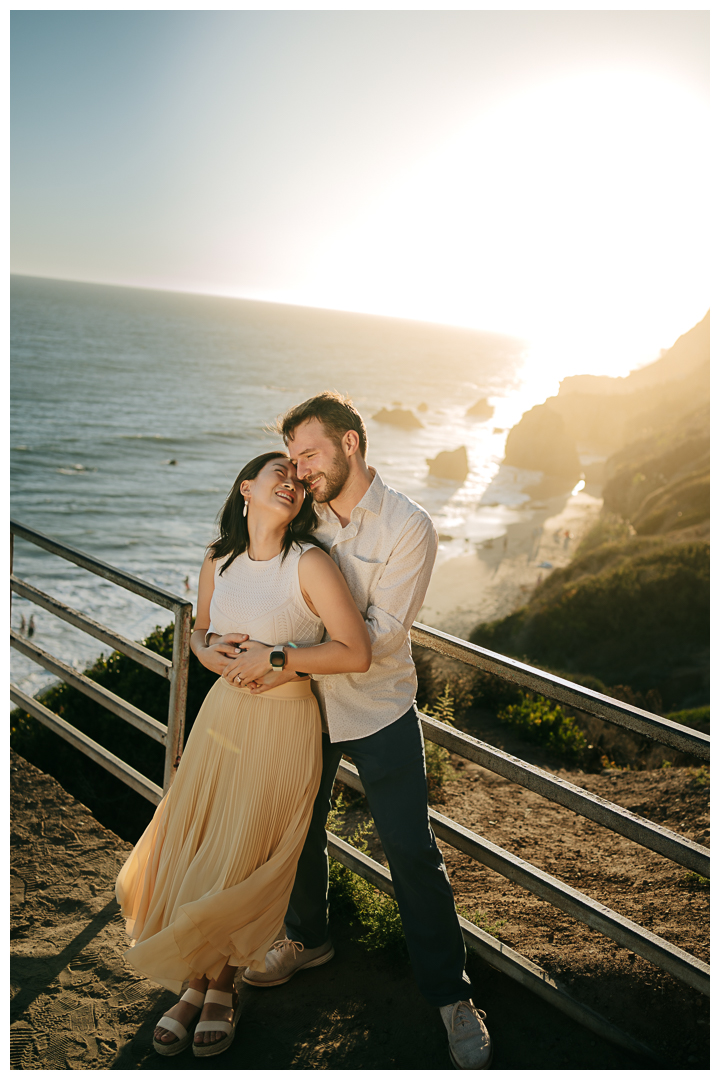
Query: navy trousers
{"points": [[391, 764]]}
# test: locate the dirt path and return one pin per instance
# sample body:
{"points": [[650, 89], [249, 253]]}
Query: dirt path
{"points": [[77, 1005]]}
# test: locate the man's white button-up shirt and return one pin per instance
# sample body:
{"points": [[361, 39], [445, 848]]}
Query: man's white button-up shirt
{"points": [[386, 554]]}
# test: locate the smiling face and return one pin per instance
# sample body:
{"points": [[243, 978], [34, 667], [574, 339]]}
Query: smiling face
{"points": [[275, 491], [321, 464]]}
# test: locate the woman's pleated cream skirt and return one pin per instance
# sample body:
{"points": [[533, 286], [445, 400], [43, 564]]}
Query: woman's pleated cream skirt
{"points": [[209, 881]]}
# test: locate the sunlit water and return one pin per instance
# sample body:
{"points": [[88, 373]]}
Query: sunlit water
{"points": [[111, 385]]}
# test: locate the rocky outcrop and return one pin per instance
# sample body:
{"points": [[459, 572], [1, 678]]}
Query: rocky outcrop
{"points": [[609, 413], [403, 418], [450, 464], [540, 442], [481, 410]]}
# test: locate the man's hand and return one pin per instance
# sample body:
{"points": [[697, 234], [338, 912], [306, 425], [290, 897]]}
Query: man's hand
{"points": [[252, 664], [274, 678], [219, 654]]}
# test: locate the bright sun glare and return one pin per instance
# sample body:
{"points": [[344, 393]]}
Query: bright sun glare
{"points": [[573, 215]]}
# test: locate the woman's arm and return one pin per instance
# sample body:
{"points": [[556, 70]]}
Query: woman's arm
{"points": [[328, 596], [216, 656]]}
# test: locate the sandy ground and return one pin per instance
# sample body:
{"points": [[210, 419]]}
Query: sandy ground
{"points": [[495, 578], [76, 1004]]}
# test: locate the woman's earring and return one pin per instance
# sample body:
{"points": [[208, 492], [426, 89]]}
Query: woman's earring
{"points": [[245, 509]]}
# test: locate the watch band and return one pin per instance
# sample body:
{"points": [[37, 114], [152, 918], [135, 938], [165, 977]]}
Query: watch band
{"points": [[302, 674], [278, 654]]}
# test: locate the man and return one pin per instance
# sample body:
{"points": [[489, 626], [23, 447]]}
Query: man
{"points": [[385, 545]]}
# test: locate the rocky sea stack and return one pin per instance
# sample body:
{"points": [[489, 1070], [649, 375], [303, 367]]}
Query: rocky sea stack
{"points": [[540, 442], [450, 464], [481, 410], [403, 418]]}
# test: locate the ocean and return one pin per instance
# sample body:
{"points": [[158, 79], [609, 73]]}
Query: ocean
{"points": [[133, 410]]}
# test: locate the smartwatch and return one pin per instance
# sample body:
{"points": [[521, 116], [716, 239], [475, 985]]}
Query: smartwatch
{"points": [[277, 658]]}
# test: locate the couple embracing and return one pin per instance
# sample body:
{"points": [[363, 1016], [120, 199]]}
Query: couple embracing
{"points": [[313, 583]]}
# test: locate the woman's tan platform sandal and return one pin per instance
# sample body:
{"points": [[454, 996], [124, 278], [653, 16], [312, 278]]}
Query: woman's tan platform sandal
{"points": [[184, 1035], [217, 997]]}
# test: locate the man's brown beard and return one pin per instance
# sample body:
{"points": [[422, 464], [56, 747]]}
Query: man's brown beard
{"points": [[335, 479]]}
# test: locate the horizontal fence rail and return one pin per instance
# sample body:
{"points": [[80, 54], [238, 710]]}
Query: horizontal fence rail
{"points": [[102, 569], [629, 934], [567, 693], [139, 719], [149, 659], [175, 670], [88, 746], [655, 837]]}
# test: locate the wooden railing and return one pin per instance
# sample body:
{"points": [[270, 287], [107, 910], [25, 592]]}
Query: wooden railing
{"points": [[678, 963], [176, 671]]}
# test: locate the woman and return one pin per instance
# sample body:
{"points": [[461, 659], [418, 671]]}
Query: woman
{"points": [[207, 886]]}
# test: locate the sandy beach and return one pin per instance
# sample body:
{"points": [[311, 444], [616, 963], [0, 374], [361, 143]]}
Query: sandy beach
{"points": [[495, 577]]}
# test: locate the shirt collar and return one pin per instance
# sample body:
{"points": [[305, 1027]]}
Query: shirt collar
{"points": [[371, 500]]}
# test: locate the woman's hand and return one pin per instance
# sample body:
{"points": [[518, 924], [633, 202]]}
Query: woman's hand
{"points": [[250, 665], [221, 652]]}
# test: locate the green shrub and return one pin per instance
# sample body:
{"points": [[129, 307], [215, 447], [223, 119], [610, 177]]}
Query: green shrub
{"points": [[699, 718], [437, 758], [494, 692], [632, 613], [696, 881], [359, 902], [701, 777], [539, 721]]}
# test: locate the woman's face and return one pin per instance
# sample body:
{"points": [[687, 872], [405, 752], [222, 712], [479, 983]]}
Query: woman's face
{"points": [[275, 491]]}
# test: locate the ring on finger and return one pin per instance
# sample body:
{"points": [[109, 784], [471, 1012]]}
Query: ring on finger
{"points": [[238, 678]]}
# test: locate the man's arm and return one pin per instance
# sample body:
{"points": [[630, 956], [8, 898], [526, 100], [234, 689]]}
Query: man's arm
{"points": [[400, 591]]}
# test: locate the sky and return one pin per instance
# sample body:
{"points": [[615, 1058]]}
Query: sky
{"points": [[538, 173]]}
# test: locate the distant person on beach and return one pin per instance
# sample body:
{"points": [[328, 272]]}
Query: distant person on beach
{"points": [[23, 625], [31, 626], [385, 545], [206, 888]]}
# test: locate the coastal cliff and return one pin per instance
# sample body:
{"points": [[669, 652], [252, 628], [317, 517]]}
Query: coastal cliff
{"points": [[608, 413], [632, 608]]}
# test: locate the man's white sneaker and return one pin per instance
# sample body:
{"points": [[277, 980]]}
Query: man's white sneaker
{"points": [[284, 959], [469, 1040]]}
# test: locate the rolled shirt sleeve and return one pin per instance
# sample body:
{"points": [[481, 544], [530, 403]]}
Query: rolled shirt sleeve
{"points": [[400, 590]]}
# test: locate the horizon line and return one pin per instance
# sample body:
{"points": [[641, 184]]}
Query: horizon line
{"points": [[278, 303]]}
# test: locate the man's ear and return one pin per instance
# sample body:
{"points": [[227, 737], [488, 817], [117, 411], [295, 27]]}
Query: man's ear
{"points": [[350, 443]]}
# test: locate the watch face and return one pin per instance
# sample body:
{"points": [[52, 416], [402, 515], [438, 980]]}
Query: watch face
{"points": [[277, 658]]}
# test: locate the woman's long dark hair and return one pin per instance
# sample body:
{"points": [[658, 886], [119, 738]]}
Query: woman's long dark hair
{"points": [[234, 538]]}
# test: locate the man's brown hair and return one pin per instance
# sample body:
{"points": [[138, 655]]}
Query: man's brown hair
{"points": [[336, 413]]}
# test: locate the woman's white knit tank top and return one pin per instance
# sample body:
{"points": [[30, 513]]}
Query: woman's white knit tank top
{"points": [[264, 600]]}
